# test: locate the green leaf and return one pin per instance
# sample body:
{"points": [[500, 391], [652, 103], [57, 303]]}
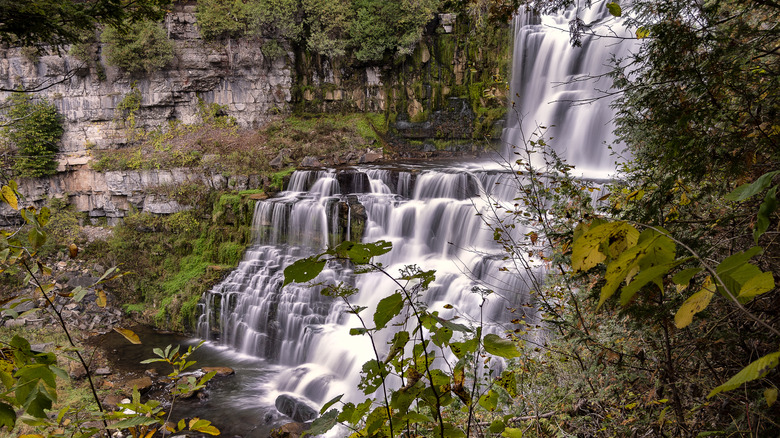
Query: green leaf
{"points": [[614, 9], [756, 370], [642, 33], [43, 216], [764, 212], [770, 395], [400, 339], [508, 381], [695, 304], [330, 403], [684, 277], [499, 346], [654, 274], [757, 285], [303, 270], [388, 308], [79, 293], [362, 253], [497, 426], [322, 424], [460, 349], [737, 260], [489, 401], [357, 331], [746, 191], [37, 238], [587, 250], [137, 420], [7, 416], [511, 432]]}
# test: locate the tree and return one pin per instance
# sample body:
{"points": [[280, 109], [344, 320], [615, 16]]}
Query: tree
{"points": [[144, 47], [58, 23], [33, 130]]}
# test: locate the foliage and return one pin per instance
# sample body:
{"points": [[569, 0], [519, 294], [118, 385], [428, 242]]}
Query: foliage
{"points": [[388, 27], [143, 47], [33, 128], [428, 391], [331, 28], [184, 255], [58, 23], [221, 19]]}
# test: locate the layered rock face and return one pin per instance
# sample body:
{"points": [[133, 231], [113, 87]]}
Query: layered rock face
{"points": [[234, 74]]}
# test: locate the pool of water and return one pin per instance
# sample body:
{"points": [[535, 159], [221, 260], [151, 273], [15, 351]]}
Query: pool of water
{"points": [[238, 405]]}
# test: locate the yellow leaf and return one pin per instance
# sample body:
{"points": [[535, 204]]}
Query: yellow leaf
{"points": [[128, 334], [695, 304], [770, 394], [9, 197], [101, 298], [73, 250], [31, 436], [642, 33], [150, 434]]}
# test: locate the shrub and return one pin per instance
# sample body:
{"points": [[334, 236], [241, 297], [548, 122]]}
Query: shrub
{"points": [[224, 19], [145, 47], [33, 129]]}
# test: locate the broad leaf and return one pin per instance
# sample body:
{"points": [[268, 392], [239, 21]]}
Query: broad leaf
{"points": [[7, 416], [745, 191], [642, 33], [134, 421], [330, 403], [497, 426], [764, 212], [489, 401], [654, 274], [695, 304], [736, 260], [388, 308], [128, 334], [770, 395], [684, 277], [322, 424], [102, 300], [303, 270], [362, 253], [756, 370], [757, 285], [499, 346], [614, 9], [511, 432], [9, 197]]}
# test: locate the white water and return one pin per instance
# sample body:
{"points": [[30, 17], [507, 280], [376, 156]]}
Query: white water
{"points": [[565, 88], [429, 215]]}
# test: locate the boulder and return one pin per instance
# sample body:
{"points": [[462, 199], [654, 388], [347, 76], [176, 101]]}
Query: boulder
{"points": [[298, 409]]}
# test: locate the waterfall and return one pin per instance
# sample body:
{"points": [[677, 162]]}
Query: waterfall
{"points": [[307, 333], [436, 218], [566, 89]]}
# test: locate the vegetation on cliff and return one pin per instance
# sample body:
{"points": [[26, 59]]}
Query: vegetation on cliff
{"points": [[31, 132]]}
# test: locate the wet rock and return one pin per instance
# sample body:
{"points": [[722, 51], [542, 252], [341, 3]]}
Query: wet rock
{"points": [[289, 430], [296, 408], [221, 371], [104, 371], [142, 383]]}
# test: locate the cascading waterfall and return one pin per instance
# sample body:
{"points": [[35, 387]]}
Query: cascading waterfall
{"points": [[566, 88], [429, 215]]}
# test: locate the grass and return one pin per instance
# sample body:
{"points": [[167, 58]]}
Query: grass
{"points": [[221, 147]]}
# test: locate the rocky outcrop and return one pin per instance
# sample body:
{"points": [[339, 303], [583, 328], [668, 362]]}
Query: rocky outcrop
{"points": [[234, 74], [113, 194]]}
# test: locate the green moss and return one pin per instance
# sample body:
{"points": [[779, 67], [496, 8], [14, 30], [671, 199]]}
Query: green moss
{"points": [[277, 179]]}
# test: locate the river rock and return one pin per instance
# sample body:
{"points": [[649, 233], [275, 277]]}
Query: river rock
{"points": [[289, 430], [142, 383], [296, 408], [221, 371], [76, 370], [111, 402]]}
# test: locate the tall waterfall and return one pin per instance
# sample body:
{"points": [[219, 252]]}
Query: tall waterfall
{"points": [[435, 218], [566, 89]]}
